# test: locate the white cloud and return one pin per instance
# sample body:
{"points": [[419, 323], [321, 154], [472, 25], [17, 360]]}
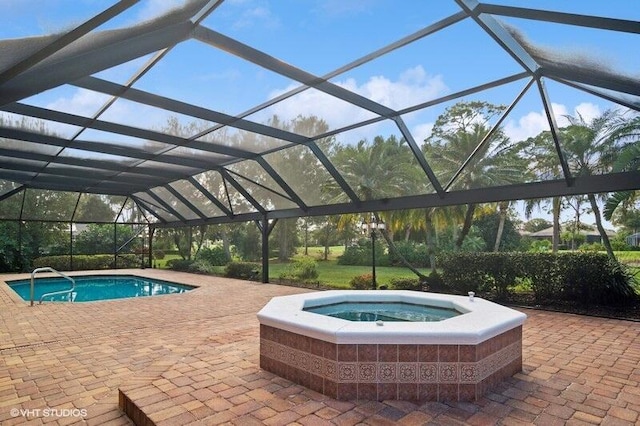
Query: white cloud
{"points": [[257, 15], [588, 111], [412, 87], [83, 102], [533, 122], [86, 103], [527, 126], [421, 132]]}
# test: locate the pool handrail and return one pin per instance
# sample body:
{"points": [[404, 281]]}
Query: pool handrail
{"points": [[49, 269]]}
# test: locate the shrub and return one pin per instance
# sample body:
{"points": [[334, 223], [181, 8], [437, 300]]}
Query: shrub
{"points": [[620, 245], [480, 272], [415, 254], [405, 284], [594, 278], [213, 256], [540, 246], [464, 272], [84, 262], [360, 254], [304, 270], [581, 277], [158, 254], [243, 270], [201, 267], [592, 247], [127, 261], [362, 282], [179, 264], [434, 282]]}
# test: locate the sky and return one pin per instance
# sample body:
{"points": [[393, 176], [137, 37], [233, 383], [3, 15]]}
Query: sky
{"points": [[320, 36]]}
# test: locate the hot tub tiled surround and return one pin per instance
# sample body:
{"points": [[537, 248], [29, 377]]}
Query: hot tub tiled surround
{"points": [[457, 359]]}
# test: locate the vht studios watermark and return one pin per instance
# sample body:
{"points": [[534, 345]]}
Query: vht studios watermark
{"points": [[48, 412]]}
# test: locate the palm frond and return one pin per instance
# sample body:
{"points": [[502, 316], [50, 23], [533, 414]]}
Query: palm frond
{"points": [[614, 201]]}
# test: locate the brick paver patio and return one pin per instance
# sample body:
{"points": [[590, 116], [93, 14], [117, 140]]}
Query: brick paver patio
{"points": [[193, 358]]}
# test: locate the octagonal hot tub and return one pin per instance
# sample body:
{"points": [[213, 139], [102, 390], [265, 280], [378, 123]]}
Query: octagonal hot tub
{"points": [[457, 358]]}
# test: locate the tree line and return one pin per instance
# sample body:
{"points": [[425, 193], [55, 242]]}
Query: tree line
{"points": [[463, 135]]}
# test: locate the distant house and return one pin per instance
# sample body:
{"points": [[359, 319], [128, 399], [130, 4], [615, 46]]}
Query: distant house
{"points": [[634, 239], [589, 231]]}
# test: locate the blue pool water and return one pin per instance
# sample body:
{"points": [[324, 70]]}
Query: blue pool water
{"points": [[97, 287], [384, 311]]}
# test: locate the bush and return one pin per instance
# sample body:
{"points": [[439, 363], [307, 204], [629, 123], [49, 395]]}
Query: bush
{"points": [[405, 284], [125, 261], [415, 254], [158, 254], [620, 245], [243, 270], [304, 270], [587, 278], [434, 282], [362, 282], [592, 247], [594, 278], [84, 262], [480, 272], [540, 246], [201, 267], [360, 254], [213, 256], [179, 264]]}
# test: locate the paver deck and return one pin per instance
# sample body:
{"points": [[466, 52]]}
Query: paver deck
{"points": [[192, 358]]}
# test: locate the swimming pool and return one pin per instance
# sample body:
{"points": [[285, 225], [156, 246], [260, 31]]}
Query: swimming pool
{"points": [[97, 287], [383, 311]]}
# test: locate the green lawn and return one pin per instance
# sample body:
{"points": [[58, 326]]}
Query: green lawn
{"points": [[628, 257], [162, 263], [317, 253], [332, 274]]}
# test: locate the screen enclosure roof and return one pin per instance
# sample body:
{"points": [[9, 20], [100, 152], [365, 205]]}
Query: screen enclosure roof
{"points": [[218, 111]]}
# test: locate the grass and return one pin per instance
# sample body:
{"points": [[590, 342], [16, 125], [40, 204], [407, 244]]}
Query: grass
{"points": [[628, 257], [162, 263], [317, 252], [334, 275]]}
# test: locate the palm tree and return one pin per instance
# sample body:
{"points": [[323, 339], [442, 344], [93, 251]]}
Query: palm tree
{"points": [[503, 209], [458, 133], [544, 164], [592, 147], [383, 169], [436, 219], [628, 160]]}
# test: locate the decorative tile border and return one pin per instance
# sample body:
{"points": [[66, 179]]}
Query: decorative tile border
{"points": [[392, 372], [380, 365]]}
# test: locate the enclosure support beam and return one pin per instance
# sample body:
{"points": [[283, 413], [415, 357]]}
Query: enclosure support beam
{"points": [[115, 245], [71, 244], [151, 231], [265, 231]]}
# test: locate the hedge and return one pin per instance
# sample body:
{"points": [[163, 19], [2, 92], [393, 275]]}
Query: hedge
{"points": [[214, 256], [243, 270], [303, 270], [362, 282], [360, 254], [83, 262], [587, 278]]}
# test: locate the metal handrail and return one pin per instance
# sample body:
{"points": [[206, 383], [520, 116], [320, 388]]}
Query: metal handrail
{"points": [[48, 269]]}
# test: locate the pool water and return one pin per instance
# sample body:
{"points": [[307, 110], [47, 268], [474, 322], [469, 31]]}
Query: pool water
{"points": [[97, 287], [384, 311]]}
